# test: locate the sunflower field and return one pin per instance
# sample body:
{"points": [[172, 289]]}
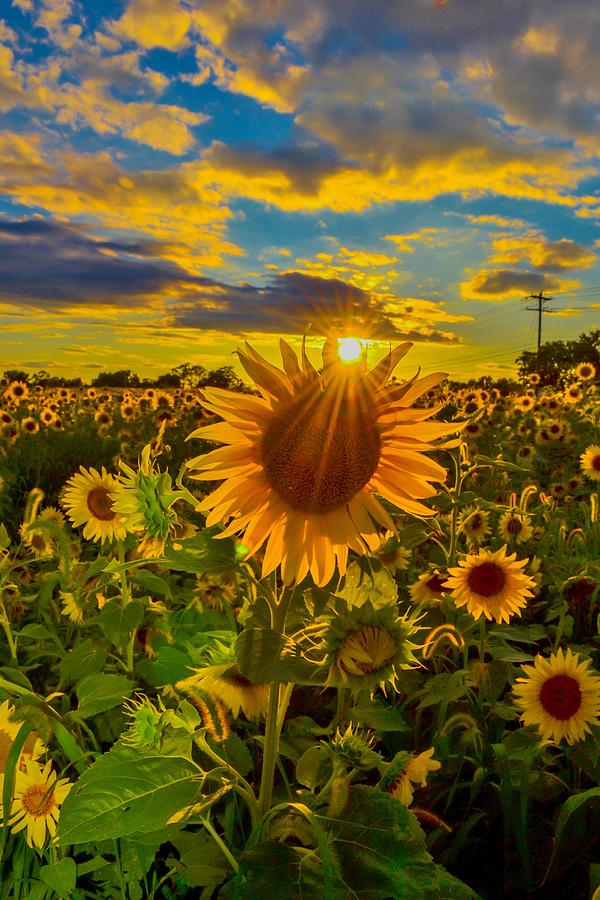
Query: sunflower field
{"points": [[334, 636]]}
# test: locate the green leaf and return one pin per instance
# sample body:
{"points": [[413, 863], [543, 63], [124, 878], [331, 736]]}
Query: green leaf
{"points": [[257, 651], [359, 586], [521, 634], [579, 817], [444, 688], [150, 582], [201, 863], [60, 876], [34, 632], [201, 553], [118, 622], [235, 752], [379, 717], [376, 852], [97, 693], [126, 793], [84, 659], [170, 666], [4, 538], [313, 767]]}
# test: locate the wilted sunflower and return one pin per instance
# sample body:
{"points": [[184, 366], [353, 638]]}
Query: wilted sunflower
{"points": [[303, 462], [560, 696], [491, 584], [88, 500], [590, 462]]}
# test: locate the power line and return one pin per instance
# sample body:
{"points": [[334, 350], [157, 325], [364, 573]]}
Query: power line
{"points": [[540, 309]]}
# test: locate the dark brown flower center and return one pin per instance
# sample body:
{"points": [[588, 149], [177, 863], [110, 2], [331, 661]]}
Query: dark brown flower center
{"points": [[561, 697], [514, 526], [319, 452], [486, 579], [596, 463], [475, 522], [100, 505], [436, 583]]}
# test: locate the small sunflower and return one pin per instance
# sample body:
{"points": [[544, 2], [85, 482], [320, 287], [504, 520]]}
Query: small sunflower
{"points": [[590, 462], [304, 461], [88, 499], [392, 554], [585, 371], [408, 771], [560, 696], [474, 525], [9, 728], [572, 394], [37, 800], [491, 584], [515, 527], [430, 587]]}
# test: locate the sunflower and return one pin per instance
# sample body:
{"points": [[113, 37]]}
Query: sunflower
{"points": [[491, 584], [560, 696], [590, 462], [573, 393], [430, 587], [364, 647], [393, 555], [225, 683], [585, 371], [534, 378], [406, 771], [9, 728], [515, 527], [474, 525], [524, 403], [302, 462], [17, 391], [88, 499], [146, 501], [37, 800]]}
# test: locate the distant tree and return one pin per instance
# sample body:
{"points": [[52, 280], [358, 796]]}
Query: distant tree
{"points": [[123, 378], [168, 380], [189, 375], [559, 358], [16, 375], [224, 377]]}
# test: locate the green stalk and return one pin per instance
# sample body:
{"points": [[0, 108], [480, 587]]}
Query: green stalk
{"points": [[270, 749]]}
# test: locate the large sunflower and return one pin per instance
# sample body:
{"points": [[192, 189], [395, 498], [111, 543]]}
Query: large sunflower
{"points": [[560, 696], [303, 462], [590, 462], [491, 584], [88, 499]]}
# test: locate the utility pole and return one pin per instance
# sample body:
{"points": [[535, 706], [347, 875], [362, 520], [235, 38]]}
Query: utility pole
{"points": [[540, 309]]}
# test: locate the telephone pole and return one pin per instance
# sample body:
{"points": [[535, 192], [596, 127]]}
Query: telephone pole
{"points": [[540, 309]]}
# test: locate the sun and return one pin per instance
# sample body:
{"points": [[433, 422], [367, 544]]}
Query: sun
{"points": [[350, 349]]}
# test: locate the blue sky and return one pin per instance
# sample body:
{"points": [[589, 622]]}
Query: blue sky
{"points": [[177, 175]]}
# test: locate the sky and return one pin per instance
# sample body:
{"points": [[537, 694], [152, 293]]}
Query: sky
{"points": [[177, 176]]}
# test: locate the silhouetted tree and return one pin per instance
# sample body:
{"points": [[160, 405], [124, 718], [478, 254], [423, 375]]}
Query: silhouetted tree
{"points": [[559, 358]]}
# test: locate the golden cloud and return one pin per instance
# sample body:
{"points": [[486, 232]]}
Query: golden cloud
{"points": [[542, 253], [154, 23]]}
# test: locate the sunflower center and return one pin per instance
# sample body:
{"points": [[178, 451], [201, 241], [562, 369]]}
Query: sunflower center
{"points": [[475, 522], [318, 454], [561, 697], [514, 526], [37, 800], [436, 583], [596, 463], [486, 579], [100, 504]]}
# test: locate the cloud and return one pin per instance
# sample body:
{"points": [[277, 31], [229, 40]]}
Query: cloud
{"points": [[553, 256], [153, 23], [499, 284], [292, 300], [54, 266]]}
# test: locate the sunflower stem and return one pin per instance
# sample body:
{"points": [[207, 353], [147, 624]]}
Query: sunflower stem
{"points": [[270, 749], [12, 644], [482, 639]]}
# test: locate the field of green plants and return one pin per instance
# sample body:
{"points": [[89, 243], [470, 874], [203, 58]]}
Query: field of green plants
{"points": [[333, 637]]}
